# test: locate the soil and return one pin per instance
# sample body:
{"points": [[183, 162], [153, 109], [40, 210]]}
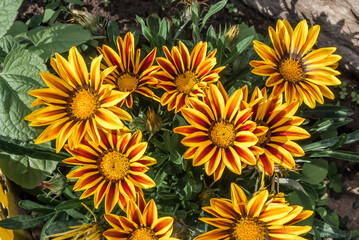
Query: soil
{"points": [[125, 11]]}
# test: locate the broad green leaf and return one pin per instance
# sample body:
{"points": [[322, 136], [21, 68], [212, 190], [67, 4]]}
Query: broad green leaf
{"points": [[26, 171], [20, 74], [7, 43], [214, 9], [25, 221], [315, 172], [17, 28], [57, 38], [8, 14]]}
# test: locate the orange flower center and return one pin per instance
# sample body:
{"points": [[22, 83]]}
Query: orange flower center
{"points": [[127, 82], [114, 166], [265, 138], [186, 81], [222, 134], [84, 104], [250, 229], [291, 70], [143, 234]]}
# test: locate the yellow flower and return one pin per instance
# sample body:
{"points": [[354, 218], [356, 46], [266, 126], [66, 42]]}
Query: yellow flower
{"points": [[77, 102], [184, 76], [277, 127], [263, 217], [7, 208], [302, 74], [141, 223], [219, 133], [90, 231], [131, 75], [115, 169]]}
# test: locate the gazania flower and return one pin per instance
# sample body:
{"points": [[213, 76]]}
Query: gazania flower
{"points": [[77, 102], [296, 70], [263, 217], [276, 145], [184, 76], [131, 75], [114, 170], [141, 223], [90, 231], [219, 133], [7, 206]]}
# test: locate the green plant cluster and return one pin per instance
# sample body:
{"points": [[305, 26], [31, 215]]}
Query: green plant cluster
{"points": [[182, 189]]}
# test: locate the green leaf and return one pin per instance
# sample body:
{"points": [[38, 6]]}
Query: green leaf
{"points": [[72, 204], [42, 151], [7, 44], [26, 171], [327, 230], [240, 47], [328, 111], [17, 28], [8, 14], [57, 38], [48, 14], [24, 221], [162, 31], [315, 172], [292, 184], [19, 75], [215, 8], [211, 35], [349, 138], [34, 206], [146, 31], [47, 224], [339, 154], [336, 183], [113, 31], [60, 227]]}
